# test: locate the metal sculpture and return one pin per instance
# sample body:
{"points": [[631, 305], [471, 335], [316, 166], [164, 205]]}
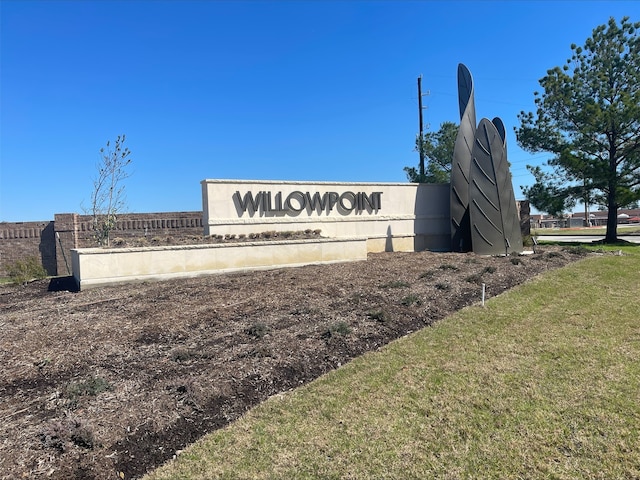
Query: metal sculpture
{"points": [[510, 213], [460, 225], [484, 216]]}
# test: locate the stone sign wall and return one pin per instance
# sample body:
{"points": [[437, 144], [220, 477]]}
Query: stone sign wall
{"points": [[391, 216]]}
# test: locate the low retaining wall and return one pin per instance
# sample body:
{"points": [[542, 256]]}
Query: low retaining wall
{"points": [[93, 267]]}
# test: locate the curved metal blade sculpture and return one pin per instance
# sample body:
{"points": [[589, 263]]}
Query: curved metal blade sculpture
{"points": [[484, 216], [510, 214], [460, 226]]}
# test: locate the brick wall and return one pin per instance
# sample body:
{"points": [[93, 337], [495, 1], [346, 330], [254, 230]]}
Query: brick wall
{"points": [[51, 242], [19, 240], [524, 211]]}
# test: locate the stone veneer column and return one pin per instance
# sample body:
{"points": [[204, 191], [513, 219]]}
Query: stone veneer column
{"points": [[66, 228]]}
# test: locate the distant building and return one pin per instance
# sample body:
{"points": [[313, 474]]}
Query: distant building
{"points": [[577, 220]]}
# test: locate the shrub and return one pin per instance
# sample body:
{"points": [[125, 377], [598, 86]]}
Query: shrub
{"points": [[58, 433], [22, 272], [410, 300], [337, 329], [488, 269], [258, 330], [93, 386], [527, 241], [448, 266], [443, 286], [377, 315], [577, 250], [474, 278], [180, 354], [143, 242]]}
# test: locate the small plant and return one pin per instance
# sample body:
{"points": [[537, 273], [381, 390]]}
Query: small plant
{"points": [[378, 315], [22, 272], [242, 236], [448, 266], [515, 260], [580, 250], [554, 255], [428, 274], [410, 300], [42, 363], [118, 242], [189, 392], [258, 330], [474, 278], [337, 329], [488, 269], [107, 197], [317, 231], [443, 286], [395, 284], [58, 433], [180, 354], [91, 387]]}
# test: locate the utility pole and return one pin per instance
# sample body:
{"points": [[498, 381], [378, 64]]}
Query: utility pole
{"points": [[420, 141]]}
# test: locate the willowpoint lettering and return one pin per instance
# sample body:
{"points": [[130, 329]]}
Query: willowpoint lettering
{"points": [[297, 201]]}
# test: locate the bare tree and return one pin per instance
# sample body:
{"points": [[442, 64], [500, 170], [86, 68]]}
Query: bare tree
{"points": [[108, 197]]}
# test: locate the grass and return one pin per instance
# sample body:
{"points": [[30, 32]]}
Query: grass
{"points": [[622, 230], [395, 284], [543, 382]]}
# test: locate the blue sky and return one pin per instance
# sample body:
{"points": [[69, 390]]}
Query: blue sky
{"points": [[288, 90]]}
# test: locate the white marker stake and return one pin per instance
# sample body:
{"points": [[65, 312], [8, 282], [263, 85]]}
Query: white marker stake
{"points": [[483, 289]]}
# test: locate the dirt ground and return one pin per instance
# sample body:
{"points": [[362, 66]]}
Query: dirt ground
{"points": [[111, 382]]}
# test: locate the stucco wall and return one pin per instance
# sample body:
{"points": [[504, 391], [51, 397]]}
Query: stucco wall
{"points": [[93, 267], [391, 216]]}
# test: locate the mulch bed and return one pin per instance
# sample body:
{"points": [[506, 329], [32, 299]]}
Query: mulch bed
{"points": [[112, 382]]}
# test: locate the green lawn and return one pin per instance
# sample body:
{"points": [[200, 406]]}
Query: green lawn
{"points": [[622, 230], [543, 382]]}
